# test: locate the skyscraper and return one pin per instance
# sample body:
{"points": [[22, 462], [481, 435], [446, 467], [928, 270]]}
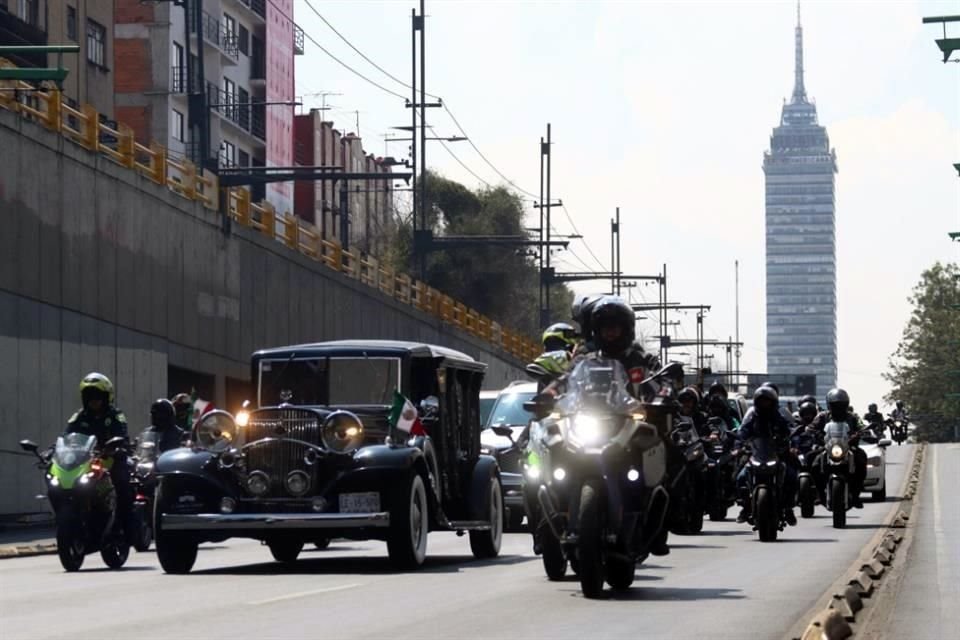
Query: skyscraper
{"points": [[801, 241]]}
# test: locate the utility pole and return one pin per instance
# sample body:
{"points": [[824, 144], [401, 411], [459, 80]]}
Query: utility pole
{"points": [[548, 201], [619, 266], [736, 270], [615, 273], [543, 313]]}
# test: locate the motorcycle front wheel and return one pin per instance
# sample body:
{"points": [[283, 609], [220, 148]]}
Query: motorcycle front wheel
{"points": [[554, 562], [765, 513], [71, 545], [838, 504], [590, 547], [807, 492]]}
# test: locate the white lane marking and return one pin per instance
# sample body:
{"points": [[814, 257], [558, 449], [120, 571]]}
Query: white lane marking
{"points": [[303, 594]]}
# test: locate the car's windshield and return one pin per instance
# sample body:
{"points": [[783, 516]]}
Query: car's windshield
{"points": [[508, 410], [73, 449], [598, 384], [329, 381], [486, 405]]}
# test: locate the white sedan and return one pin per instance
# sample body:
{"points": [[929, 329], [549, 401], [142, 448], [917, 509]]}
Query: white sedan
{"points": [[876, 481]]}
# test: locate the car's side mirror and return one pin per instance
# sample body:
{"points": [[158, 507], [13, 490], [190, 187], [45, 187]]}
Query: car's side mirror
{"points": [[884, 443], [501, 430], [29, 445]]}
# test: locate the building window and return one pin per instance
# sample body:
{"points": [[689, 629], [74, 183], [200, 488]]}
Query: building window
{"points": [[28, 11], [72, 23], [243, 158], [176, 125], [243, 42], [228, 154], [229, 98], [96, 43]]}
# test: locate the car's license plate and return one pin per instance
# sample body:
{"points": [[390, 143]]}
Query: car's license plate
{"points": [[368, 502]]}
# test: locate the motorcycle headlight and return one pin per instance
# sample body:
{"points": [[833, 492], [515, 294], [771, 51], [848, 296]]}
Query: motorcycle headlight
{"points": [[533, 473], [836, 452], [342, 432], [243, 418], [771, 463], [586, 431]]}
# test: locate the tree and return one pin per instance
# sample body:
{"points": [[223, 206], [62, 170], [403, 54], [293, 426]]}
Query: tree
{"points": [[501, 282], [925, 368]]}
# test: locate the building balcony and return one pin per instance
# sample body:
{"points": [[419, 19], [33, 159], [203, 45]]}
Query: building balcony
{"points": [[27, 29], [249, 118], [297, 41], [254, 8], [216, 34]]}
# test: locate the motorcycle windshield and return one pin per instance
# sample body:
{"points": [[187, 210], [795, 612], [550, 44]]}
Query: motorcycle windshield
{"points": [[73, 449], [837, 433], [598, 385], [148, 448]]}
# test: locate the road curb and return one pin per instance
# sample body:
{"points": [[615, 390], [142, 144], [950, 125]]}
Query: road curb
{"points": [[834, 622], [26, 550]]}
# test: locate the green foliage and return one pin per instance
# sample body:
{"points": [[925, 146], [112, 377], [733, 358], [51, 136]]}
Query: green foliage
{"points": [[925, 369], [499, 282]]}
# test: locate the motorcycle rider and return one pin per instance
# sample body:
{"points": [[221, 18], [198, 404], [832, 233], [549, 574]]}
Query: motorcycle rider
{"points": [[766, 421], [717, 407], [559, 336], [838, 409], [163, 426], [689, 399], [100, 418], [874, 419], [183, 407]]}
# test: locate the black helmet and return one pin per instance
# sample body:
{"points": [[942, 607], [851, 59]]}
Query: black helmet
{"points": [[717, 388], [162, 413], [581, 309], [717, 405], [872, 407], [838, 402], [772, 386], [899, 404], [807, 411], [812, 399], [689, 393], [766, 401], [559, 336], [611, 312]]}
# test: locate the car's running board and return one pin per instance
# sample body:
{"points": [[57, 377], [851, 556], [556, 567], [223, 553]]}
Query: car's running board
{"points": [[469, 525]]}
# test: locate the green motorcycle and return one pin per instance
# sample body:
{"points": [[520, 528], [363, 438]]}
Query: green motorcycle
{"points": [[83, 498]]}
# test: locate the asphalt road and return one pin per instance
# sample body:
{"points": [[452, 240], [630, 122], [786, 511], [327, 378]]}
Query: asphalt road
{"points": [[928, 601], [722, 584]]}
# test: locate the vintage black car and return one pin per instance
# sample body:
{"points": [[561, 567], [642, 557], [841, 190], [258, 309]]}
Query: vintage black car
{"points": [[319, 459]]}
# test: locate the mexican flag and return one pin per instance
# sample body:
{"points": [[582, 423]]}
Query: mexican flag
{"points": [[403, 416], [200, 407]]}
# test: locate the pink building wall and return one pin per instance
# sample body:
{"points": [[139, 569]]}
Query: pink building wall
{"points": [[280, 87]]}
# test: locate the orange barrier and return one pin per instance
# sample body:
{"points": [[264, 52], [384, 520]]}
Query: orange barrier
{"points": [[83, 126]]}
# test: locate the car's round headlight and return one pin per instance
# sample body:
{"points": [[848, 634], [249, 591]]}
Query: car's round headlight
{"points": [[342, 432], [297, 483], [836, 452], [258, 484], [243, 418], [216, 431]]}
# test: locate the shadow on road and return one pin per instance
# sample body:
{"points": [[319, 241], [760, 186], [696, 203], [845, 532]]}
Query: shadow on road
{"points": [[739, 532], [864, 526], [125, 569], [361, 566], [676, 594], [789, 539], [695, 546]]}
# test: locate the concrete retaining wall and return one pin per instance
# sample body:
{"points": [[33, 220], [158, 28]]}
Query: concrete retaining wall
{"points": [[103, 270]]}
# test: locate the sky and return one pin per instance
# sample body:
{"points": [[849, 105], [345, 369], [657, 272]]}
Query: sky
{"points": [[665, 109]]}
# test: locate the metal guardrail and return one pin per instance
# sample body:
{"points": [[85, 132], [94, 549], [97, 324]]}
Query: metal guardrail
{"points": [[84, 127]]}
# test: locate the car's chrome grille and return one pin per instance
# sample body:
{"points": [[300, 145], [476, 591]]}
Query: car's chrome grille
{"points": [[291, 428]]}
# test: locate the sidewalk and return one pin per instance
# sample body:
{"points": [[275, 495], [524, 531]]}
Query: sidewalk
{"points": [[27, 539]]}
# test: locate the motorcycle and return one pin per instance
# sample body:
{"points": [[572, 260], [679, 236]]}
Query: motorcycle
{"points": [[838, 467], [84, 499], [718, 479], [806, 453], [898, 429], [600, 466], [765, 473], [687, 486], [144, 485]]}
